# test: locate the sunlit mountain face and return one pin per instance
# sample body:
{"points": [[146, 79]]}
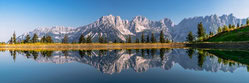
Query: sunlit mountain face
{"points": [[116, 28], [139, 60]]}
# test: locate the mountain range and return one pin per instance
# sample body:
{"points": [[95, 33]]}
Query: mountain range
{"points": [[113, 27]]}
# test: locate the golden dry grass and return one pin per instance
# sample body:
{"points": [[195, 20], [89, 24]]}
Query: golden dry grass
{"points": [[89, 46]]}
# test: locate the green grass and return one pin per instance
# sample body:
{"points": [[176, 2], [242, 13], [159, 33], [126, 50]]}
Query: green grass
{"points": [[241, 34], [238, 56]]}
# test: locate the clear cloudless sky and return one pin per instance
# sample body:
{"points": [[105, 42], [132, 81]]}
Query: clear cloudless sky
{"points": [[25, 15]]}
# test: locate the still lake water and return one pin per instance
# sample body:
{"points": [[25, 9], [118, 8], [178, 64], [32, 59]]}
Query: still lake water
{"points": [[124, 66]]}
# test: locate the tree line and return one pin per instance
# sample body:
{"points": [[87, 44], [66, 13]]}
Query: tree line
{"points": [[202, 35], [34, 39], [88, 39], [149, 39]]}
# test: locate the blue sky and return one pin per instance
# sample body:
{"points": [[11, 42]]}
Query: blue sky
{"points": [[25, 15]]}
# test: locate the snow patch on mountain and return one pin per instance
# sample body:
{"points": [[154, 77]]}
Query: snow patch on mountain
{"points": [[113, 27]]}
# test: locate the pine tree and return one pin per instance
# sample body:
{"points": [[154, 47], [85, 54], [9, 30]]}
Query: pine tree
{"points": [[34, 39], [148, 39], [137, 40], [43, 39], [82, 39], [27, 39], [65, 39], [190, 37], [142, 38], [219, 30], [49, 39], [201, 30], [247, 22], [167, 41], [230, 26], [233, 27], [11, 40], [101, 39], [211, 33], [14, 38], [105, 40], [115, 41], [225, 28], [89, 39], [129, 39], [162, 39], [153, 39], [238, 25]]}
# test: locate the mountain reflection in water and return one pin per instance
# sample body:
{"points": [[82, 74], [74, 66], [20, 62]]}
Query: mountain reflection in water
{"points": [[140, 60]]}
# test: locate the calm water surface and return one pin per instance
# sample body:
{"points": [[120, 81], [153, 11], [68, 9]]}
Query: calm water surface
{"points": [[124, 66]]}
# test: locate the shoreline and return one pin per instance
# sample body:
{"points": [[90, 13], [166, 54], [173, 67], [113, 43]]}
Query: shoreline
{"points": [[220, 45], [90, 46], [110, 46]]}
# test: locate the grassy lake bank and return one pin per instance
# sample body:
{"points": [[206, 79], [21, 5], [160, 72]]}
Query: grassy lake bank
{"points": [[99, 46], [220, 45], [89, 46]]}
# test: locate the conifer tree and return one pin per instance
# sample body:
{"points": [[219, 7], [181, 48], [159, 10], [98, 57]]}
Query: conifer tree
{"points": [[34, 39], [190, 37], [148, 39], [225, 28], [211, 33], [247, 22], [11, 40], [167, 41], [27, 39], [101, 39], [82, 39], [65, 39], [142, 38], [201, 30], [153, 39], [14, 38], [43, 39], [115, 41], [49, 39], [105, 40], [162, 39], [238, 25], [137, 40], [89, 39], [230, 26], [129, 39], [219, 29], [233, 27]]}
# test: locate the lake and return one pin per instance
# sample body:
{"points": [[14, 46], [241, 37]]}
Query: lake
{"points": [[125, 66]]}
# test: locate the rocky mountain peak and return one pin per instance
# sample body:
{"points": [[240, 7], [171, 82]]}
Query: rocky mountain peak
{"points": [[140, 19], [114, 27], [110, 19], [167, 22]]}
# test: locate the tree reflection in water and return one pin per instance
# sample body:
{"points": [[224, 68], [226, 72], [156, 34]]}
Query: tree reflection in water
{"points": [[111, 61]]}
